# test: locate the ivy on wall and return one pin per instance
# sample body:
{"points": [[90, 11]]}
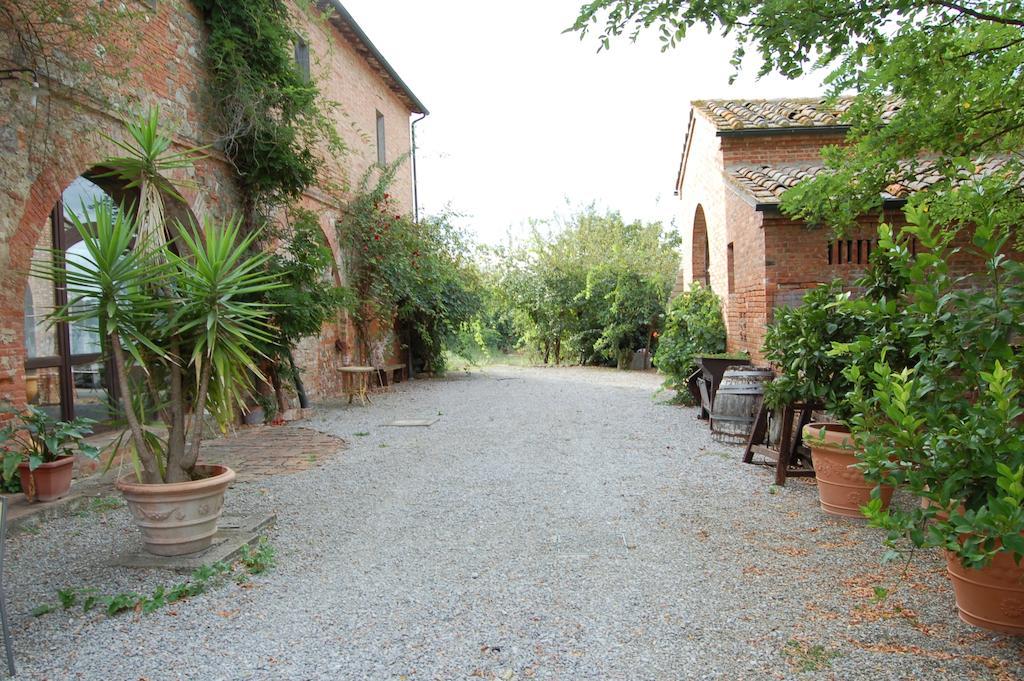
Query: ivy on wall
{"points": [[275, 127], [271, 117]]}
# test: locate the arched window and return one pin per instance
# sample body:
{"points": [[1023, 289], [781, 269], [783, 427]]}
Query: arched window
{"points": [[700, 252]]}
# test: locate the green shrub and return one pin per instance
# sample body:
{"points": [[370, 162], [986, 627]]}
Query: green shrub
{"points": [[693, 326], [799, 343], [813, 345], [947, 425]]}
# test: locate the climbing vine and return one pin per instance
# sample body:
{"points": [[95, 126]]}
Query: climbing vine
{"points": [[270, 115], [418, 275], [274, 126]]}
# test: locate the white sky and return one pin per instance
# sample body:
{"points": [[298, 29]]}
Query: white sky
{"points": [[524, 118]]}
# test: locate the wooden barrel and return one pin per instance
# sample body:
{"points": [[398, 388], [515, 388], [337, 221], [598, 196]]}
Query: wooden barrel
{"points": [[735, 406]]}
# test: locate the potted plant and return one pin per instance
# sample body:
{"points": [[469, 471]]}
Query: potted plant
{"points": [[948, 428], [811, 346], [175, 306], [41, 450]]}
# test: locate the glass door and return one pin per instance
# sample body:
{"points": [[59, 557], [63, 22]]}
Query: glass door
{"points": [[66, 372]]}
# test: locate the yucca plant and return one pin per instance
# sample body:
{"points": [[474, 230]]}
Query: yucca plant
{"points": [[143, 167], [183, 324], [179, 306]]}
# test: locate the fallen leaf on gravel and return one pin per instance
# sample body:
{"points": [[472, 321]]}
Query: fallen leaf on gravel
{"points": [[996, 666], [820, 613], [790, 550], [754, 570]]}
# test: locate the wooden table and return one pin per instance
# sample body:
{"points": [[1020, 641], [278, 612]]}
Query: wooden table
{"points": [[355, 382]]}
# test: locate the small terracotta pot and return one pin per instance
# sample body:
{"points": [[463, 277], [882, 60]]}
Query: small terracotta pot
{"points": [[992, 597], [842, 489], [180, 517], [49, 481]]}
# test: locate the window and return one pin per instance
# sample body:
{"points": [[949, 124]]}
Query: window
{"points": [[382, 156], [302, 58], [732, 269]]}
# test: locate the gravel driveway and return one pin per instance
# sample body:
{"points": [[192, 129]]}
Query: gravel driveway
{"points": [[552, 524]]}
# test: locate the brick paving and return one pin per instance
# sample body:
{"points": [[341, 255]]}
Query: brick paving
{"points": [[254, 452], [261, 451]]}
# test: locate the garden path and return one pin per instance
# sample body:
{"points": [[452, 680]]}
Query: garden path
{"points": [[552, 524]]}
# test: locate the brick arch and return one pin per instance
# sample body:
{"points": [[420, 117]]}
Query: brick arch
{"points": [[29, 217], [71, 160], [699, 249]]}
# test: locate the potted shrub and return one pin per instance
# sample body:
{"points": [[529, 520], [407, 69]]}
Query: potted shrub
{"points": [[175, 304], [948, 428], [811, 346], [799, 344], [41, 450]]}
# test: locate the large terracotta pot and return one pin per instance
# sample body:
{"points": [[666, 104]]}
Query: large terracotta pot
{"points": [[842, 489], [992, 597], [49, 481], [180, 517]]}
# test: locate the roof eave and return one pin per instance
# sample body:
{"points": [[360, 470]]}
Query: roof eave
{"points": [[889, 203], [687, 143], [794, 130], [416, 106]]}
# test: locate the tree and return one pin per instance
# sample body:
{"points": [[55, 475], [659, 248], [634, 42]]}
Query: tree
{"points": [[594, 290], [933, 78]]}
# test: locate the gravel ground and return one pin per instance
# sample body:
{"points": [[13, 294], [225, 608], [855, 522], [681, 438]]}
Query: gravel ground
{"points": [[553, 524]]}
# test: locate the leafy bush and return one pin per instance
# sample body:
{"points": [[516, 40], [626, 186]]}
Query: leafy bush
{"points": [[594, 290], [948, 426], [813, 344], [799, 342], [693, 326], [419, 275]]}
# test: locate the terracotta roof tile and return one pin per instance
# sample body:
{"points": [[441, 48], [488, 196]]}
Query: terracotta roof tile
{"points": [[774, 114], [766, 184]]}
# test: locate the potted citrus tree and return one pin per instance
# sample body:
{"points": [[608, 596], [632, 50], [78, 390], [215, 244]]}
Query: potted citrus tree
{"points": [[948, 427], [800, 344], [41, 450], [179, 309]]}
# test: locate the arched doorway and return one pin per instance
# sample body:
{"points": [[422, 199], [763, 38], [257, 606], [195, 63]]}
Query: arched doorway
{"points": [[66, 372], [700, 252]]}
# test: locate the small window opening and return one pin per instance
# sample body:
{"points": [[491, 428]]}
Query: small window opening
{"points": [[382, 156], [732, 268], [302, 58]]}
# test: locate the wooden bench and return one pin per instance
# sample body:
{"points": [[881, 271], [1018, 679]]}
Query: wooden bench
{"points": [[392, 373]]}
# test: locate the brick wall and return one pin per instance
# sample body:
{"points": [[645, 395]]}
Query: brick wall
{"points": [[47, 145], [711, 209], [776, 149]]}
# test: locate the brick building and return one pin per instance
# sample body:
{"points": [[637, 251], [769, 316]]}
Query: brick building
{"points": [[738, 159], [50, 137]]}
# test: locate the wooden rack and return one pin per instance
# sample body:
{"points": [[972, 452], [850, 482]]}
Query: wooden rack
{"points": [[791, 459]]}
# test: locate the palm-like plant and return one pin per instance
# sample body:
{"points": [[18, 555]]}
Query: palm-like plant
{"points": [[146, 160], [183, 322]]}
